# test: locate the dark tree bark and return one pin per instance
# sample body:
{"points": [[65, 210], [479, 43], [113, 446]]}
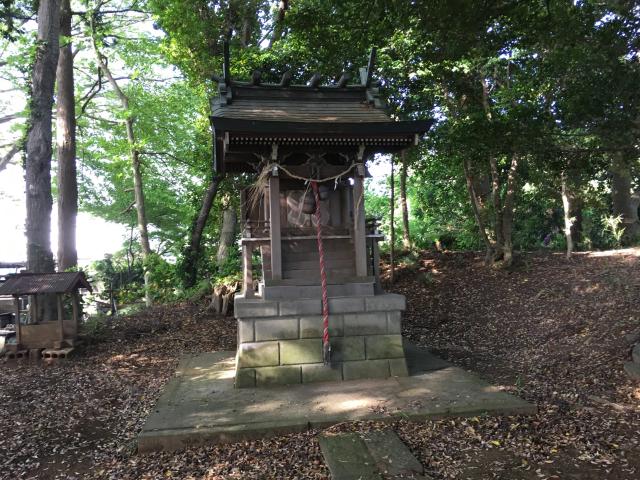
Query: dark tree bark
{"points": [[406, 236], [508, 210], [192, 252], [497, 208], [38, 162], [66, 137], [476, 213], [625, 202]]}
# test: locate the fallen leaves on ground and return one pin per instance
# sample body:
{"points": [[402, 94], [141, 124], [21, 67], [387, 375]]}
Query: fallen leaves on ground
{"points": [[549, 330]]}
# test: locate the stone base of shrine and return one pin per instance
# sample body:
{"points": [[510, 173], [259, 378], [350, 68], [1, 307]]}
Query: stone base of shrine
{"points": [[200, 405], [280, 341]]}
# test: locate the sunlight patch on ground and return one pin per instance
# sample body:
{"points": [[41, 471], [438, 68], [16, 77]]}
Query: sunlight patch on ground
{"points": [[622, 252]]}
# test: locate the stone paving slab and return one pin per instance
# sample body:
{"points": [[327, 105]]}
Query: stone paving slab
{"points": [[200, 404]]}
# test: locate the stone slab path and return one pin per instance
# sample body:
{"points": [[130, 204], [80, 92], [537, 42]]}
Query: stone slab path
{"points": [[373, 455], [200, 404]]}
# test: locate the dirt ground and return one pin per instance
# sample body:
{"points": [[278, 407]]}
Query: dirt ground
{"points": [[550, 330]]}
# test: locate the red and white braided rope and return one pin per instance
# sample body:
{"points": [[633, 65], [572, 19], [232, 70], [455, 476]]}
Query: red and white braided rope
{"points": [[326, 346]]}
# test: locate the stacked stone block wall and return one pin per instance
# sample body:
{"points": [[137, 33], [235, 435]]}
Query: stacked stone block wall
{"points": [[280, 342]]}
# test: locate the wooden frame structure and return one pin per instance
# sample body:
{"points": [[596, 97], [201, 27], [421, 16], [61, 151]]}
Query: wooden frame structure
{"points": [[40, 332]]}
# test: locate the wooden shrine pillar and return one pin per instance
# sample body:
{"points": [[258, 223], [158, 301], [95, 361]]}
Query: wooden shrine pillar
{"points": [[16, 305], [359, 235], [75, 305], [274, 220], [60, 317]]}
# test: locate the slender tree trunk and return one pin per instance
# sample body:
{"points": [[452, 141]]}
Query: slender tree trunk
{"points": [[135, 163], [278, 28], [227, 234], [192, 252], [406, 236], [66, 137], [392, 205], [497, 207], [7, 157], [623, 200], [38, 162], [476, 212], [568, 220], [508, 210]]}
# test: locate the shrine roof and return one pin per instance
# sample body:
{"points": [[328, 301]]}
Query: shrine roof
{"points": [[327, 104], [33, 283]]}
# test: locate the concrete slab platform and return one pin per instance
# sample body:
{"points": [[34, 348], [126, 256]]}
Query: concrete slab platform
{"points": [[200, 404]]}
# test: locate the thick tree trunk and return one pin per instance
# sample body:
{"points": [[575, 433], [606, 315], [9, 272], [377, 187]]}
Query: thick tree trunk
{"points": [[476, 212], [568, 220], [508, 210], [392, 207], [38, 162], [227, 234], [192, 252], [406, 237], [624, 201], [135, 163], [66, 136]]}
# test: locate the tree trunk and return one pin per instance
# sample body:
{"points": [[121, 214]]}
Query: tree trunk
{"points": [[66, 137], [476, 212], [406, 237], [227, 234], [568, 220], [7, 157], [192, 252], [392, 204], [38, 162], [624, 202], [507, 211], [278, 28], [497, 207], [135, 163]]}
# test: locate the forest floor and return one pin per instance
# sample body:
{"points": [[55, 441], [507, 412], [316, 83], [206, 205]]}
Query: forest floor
{"points": [[549, 330]]}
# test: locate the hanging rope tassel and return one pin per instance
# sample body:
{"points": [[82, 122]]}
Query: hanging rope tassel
{"points": [[326, 346]]}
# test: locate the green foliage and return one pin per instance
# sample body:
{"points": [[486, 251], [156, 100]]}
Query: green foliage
{"points": [[613, 230]]}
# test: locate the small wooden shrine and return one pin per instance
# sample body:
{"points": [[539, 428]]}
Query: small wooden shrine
{"points": [[314, 311], [54, 326]]}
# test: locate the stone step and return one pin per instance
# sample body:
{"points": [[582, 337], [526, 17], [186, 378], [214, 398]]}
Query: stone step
{"points": [[633, 370], [314, 273], [347, 457], [329, 264], [374, 455], [282, 292]]}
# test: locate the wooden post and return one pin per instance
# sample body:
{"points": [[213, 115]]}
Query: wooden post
{"points": [[16, 305], [274, 231], [392, 242], [247, 269], [75, 305], [60, 317], [359, 237], [33, 309]]}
